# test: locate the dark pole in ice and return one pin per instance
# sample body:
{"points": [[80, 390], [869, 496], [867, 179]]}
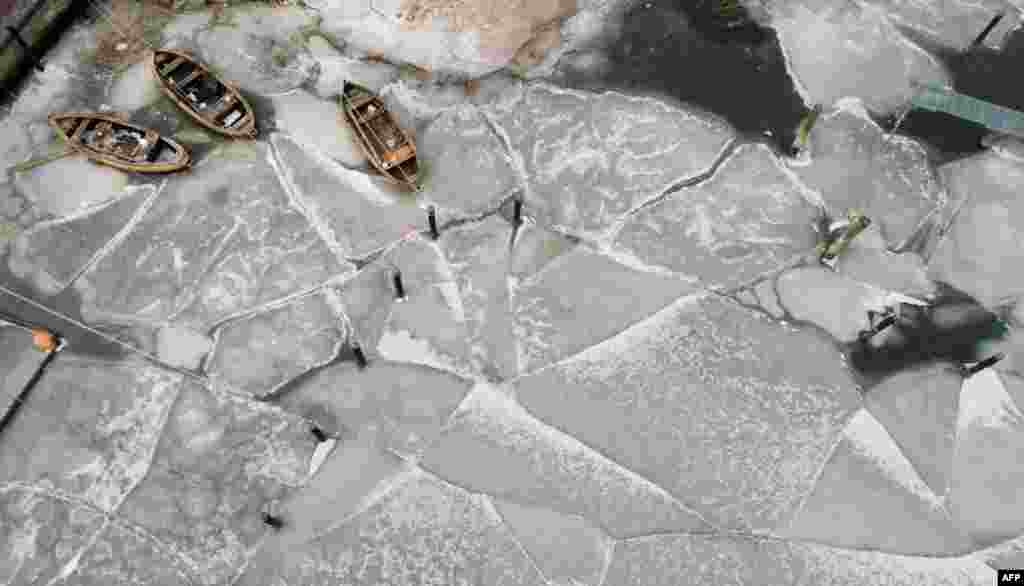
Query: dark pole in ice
{"points": [[517, 211], [966, 372], [319, 434], [988, 29], [432, 220], [272, 521], [396, 278], [360, 357]]}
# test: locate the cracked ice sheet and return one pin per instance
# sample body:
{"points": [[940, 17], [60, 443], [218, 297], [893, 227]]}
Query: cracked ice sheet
{"points": [[358, 213], [831, 301], [495, 447], [919, 410], [407, 403], [429, 326], [751, 217], [264, 351], [567, 549], [19, 361], [731, 413], [681, 560], [468, 168], [248, 50], [424, 532], [69, 185], [866, 260], [51, 255], [953, 22], [869, 497], [588, 159], [853, 164], [89, 428], [984, 237], [218, 241], [478, 255], [580, 299], [318, 123], [123, 556], [984, 496], [843, 48], [220, 461], [40, 534]]}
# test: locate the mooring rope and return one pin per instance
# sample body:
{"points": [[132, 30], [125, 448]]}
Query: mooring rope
{"points": [[66, 318]]}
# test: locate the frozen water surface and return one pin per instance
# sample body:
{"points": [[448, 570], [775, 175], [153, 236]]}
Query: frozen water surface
{"points": [[751, 217], [868, 496], [975, 253], [263, 351], [424, 531], [469, 169], [582, 298], [854, 164], [92, 427], [51, 255], [919, 410], [495, 447], [358, 213], [588, 159], [320, 124], [406, 403], [41, 533], [842, 48], [544, 407], [478, 255], [711, 402], [221, 460], [738, 561], [986, 472], [566, 548]]}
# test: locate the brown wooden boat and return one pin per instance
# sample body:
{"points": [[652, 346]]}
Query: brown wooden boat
{"points": [[210, 101], [389, 148], [108, 139]]}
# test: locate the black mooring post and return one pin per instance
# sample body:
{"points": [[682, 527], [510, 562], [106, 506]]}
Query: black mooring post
{"points": [[988, 29], [517, 211], [983, 364], [432, 220], [319, 434], [15, 406], [272, 521], [396, 278], [360, 357]]}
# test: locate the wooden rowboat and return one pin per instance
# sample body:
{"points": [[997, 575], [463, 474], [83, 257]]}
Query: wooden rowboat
{"points": [[210, 101], [108, 139], [389, 148]]}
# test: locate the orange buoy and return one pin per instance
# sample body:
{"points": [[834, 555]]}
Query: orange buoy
{"points": [[44, 340]]}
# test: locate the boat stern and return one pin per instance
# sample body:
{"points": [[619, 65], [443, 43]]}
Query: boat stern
{"points": [[63, 124]]}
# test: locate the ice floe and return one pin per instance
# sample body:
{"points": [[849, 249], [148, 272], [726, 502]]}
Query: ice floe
{"points": [[52, 255], [730, 412], [588, 158], [839, 49], [751, 217], [494, 446], [261, 352], [92, 426], [987, 470], [220, 462], [868, 496], [854, 164]]}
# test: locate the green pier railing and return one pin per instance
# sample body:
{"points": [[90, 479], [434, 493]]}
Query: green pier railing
{"points": [[987, 114]]}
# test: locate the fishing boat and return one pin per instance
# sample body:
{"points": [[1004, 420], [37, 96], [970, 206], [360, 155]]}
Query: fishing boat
{"points": [[389, 148], [210, 101], [110, 140]]}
